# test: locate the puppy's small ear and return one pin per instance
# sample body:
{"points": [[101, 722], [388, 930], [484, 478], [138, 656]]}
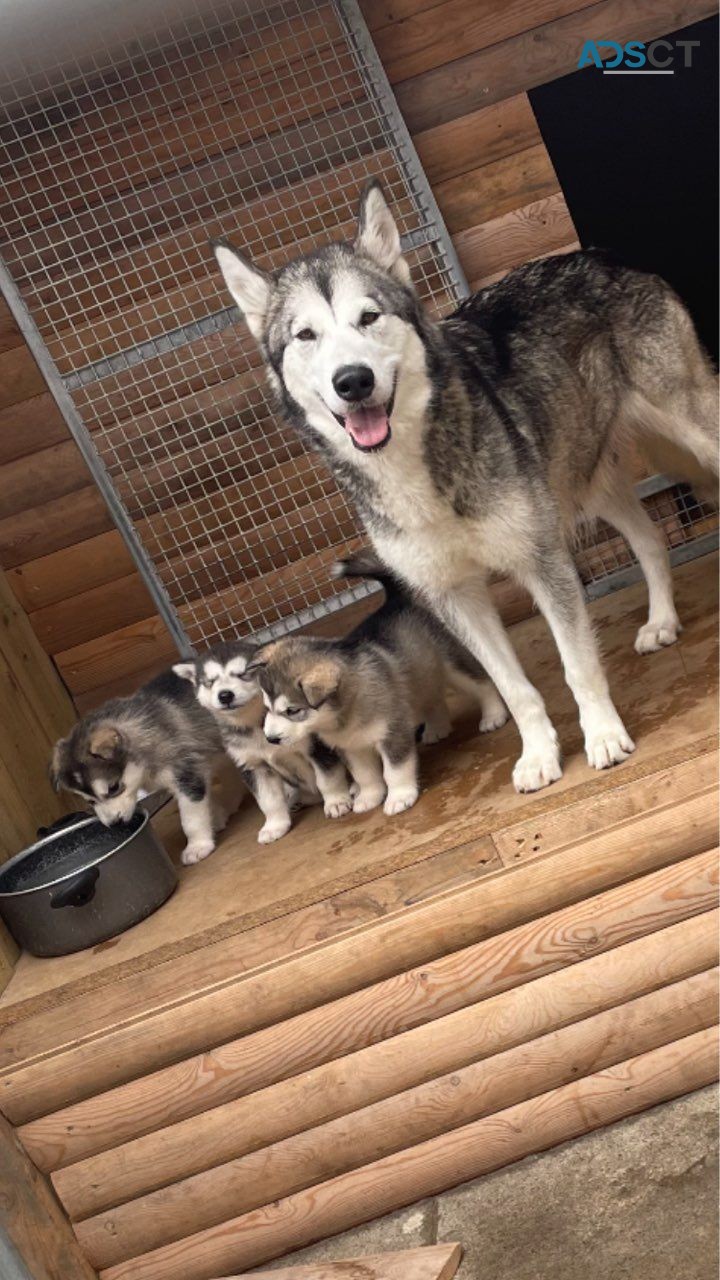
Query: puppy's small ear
{"points": [[186, 671], [58, 763], [378, 237], [253, 669], [250, 287], [320, 682], [104, 742]]}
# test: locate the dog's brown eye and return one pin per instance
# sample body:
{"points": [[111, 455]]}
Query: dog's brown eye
{"points": [[368, 318], [115, 789], [305, 335]]}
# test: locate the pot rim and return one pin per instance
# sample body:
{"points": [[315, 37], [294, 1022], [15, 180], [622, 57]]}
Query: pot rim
{"points": [[96, 862]]}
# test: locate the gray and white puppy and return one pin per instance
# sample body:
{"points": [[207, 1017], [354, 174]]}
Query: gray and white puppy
{"points": [[367, 694], [279, 775], [478, 443], [157, 737]]}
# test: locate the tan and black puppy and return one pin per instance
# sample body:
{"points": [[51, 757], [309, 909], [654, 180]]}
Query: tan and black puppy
{"points": [[367, 695]]}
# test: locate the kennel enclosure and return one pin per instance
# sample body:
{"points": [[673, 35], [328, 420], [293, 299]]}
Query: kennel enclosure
{"points": [[122, 149]]}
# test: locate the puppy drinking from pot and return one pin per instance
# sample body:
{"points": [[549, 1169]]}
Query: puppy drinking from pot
{"points": [[367, 694], [280, 775], [159, 736]]}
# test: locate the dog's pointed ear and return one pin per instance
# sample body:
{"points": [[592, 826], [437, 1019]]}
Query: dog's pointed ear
{"points": [[250, 287], [186, 671], [58, 763], [320, 682], [378, 237], [104, 741], [253, 669]]}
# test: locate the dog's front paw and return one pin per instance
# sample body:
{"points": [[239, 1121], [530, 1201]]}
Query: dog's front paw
{"points": [[656, 635], [367, 799], [338, 806], [535, 770], [605, 748], [399, 801], [196, 851], [274, 829]]}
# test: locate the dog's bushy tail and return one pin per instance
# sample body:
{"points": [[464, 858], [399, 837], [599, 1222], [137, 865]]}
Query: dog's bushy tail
{"points": [[365, 564]]}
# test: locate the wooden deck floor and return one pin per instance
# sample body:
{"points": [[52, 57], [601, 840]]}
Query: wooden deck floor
{"points": [[248, 904], [370, 1011]]}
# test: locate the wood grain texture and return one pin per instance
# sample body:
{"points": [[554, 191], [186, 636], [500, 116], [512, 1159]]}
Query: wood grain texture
{"points": [[325, 1093], [477, 138], [434, 1262], [240, 1065], [433, 1166], [441, 1104], [466, 796], [36, 711], [456, 28], [495, 247], [32, 1219], [534, 57], [497, 188]]}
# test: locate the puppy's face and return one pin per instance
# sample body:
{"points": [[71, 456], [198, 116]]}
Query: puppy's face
{"points": [[221, 678], [93, 762], [299, 687]]}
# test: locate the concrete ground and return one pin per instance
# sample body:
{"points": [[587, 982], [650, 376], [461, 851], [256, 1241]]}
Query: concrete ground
{"points": [[635, 1201]]}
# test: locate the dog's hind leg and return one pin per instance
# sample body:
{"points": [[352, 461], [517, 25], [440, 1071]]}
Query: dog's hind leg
{"points": [[493, 712], [555, 586], [624, 510]]}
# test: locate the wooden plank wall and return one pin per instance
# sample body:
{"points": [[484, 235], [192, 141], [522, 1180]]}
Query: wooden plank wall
{"points": [[460, 70]]}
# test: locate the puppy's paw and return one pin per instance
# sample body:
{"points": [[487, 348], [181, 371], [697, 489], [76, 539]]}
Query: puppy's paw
{"points": [[196, 851], [494, 717], [221, 817], [274, 829], [366, 800], [656, 635], [399, 801], [338, 806], [605, 748], [435, 730], [535, 770]]}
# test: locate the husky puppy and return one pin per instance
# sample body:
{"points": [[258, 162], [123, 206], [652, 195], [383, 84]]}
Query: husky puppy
{"points": [[279, 775], [367, 694], [157, 737], [479, 442]]}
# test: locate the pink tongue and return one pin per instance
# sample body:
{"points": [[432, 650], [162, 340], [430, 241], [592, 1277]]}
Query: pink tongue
{"points": [[368, 427]]}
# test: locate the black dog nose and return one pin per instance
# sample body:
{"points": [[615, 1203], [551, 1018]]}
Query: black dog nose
{"points": [[226, 697], [353, 381], [271, 738]]}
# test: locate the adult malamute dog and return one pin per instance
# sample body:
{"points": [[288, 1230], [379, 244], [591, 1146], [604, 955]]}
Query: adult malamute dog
{"points": [[477, 443]]}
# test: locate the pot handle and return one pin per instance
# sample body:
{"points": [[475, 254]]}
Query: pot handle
{"points": [[78, 891]]}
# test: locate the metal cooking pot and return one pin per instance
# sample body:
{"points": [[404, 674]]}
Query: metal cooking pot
{"points": [[83, 884]]}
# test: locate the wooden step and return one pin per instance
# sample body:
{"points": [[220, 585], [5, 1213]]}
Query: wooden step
{"points": [[434, 1262]]}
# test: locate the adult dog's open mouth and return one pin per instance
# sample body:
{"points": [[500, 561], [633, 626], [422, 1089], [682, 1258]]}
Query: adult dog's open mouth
{"points": [[369, 425]]}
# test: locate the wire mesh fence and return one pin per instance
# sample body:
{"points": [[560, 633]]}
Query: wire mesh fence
{"points": [[260, 122]]}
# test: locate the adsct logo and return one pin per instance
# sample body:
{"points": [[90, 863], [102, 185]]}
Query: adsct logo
{"points": [[658, 58]]}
